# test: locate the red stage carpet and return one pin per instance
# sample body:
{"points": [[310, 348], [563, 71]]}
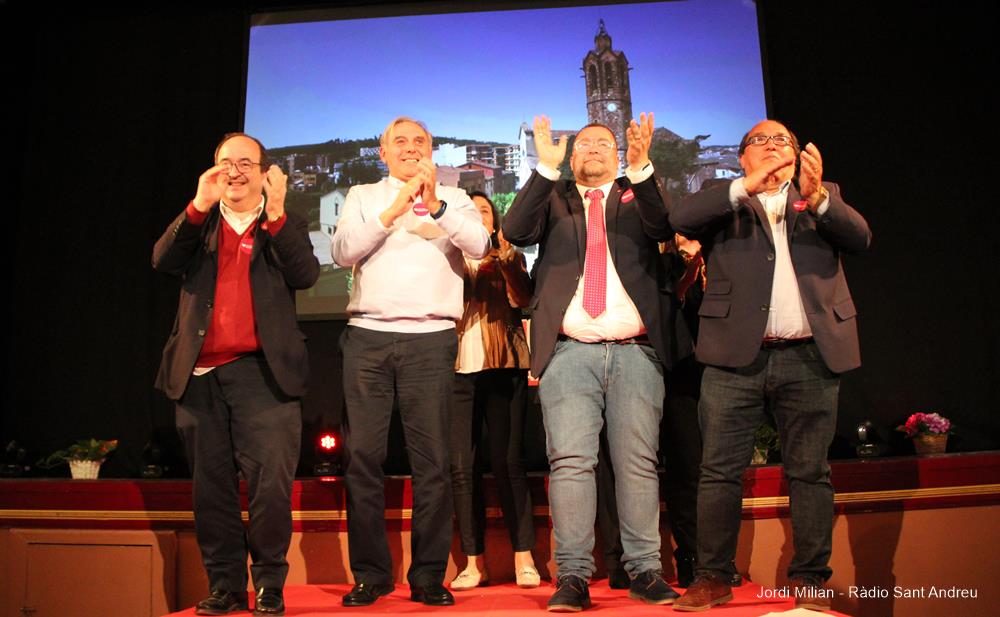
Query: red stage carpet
{"points": [[508, 599]]}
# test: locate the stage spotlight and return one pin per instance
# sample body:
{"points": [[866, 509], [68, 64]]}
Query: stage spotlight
{"points": [[152, 461], [327, 454], [868, 445], [13, 465]]}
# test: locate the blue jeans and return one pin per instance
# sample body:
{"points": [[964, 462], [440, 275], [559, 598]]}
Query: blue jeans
{"points": [[795, 385], [584, 386]]}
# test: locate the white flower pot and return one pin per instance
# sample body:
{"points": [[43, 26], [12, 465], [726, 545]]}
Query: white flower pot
{"points": [[84, 470]]}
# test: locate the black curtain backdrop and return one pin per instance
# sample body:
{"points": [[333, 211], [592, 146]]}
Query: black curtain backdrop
{"points": [[112, 115]]}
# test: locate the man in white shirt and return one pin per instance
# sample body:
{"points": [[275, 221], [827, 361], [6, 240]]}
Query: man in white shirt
{"points": [[600, 343], [777, 328], [405, 237]]}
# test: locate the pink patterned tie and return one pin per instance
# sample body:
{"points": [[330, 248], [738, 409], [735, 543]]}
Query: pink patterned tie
{"points": [[595, 268]]}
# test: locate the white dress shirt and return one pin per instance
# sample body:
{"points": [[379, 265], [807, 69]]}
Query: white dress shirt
{"points": [[786, 316], [239, 221], [620, 319]]}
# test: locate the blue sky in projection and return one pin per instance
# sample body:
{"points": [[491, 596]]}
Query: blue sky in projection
{"points": [[695, 64]]}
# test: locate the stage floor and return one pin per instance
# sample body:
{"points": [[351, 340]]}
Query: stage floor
{"points": [[508, 599]]}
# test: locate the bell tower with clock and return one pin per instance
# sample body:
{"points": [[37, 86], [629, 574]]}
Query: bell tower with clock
{"points": [[609, 96]]}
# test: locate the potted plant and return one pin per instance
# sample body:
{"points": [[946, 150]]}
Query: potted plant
{"points": [[929, 432], [765, 441], [84, 457]]}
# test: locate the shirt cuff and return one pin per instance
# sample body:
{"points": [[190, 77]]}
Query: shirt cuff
{"points": [[635, 177], [273, 227], [547, 172], [194, 216], [737, 193], [823, 206]]}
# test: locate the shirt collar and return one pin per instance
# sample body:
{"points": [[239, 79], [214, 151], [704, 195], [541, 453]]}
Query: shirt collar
{"points": [[604, 188], [782, 190], [241, 221], [241, 216]]}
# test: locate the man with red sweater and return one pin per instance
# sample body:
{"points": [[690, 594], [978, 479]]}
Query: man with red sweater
{"points": [[236, 365]]}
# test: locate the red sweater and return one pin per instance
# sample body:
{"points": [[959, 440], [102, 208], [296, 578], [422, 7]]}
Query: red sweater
{"points": [[233, 330]]}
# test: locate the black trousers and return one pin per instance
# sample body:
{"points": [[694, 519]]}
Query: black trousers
{"points": [[680, 449], [236, 420], [496, 398], [418, 371]]}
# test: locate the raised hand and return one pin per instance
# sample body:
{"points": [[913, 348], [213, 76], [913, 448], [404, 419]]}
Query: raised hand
{"points": [[403, 201], [640, 138], [505, 247], [211, 186], [550, 154], [757, 180], [275, 186], [427, 173], [811, 175]]}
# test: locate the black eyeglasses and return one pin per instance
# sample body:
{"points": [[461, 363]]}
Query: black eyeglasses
{"points": [[760, 140], [242, 165]]}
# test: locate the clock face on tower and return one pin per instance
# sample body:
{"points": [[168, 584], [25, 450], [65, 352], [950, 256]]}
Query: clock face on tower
{"points": [[612, 107]]}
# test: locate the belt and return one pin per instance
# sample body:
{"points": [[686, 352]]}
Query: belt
{"points": [[784, 343], [641, 339]]}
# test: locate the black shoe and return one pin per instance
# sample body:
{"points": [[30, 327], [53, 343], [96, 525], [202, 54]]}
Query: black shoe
{"points": [[572, 595], [618, 579], [735, 580], [433, 594], [364, 594], [685, 571], [269, 602], [222, 602], [650, 588]]}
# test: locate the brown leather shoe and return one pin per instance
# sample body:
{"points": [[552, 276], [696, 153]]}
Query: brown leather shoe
{"points": [[809, 593], [705, 592]]}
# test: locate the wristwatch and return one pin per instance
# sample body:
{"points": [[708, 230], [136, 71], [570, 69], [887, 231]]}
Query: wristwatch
{"points": [[823, 195], [440, 211]]}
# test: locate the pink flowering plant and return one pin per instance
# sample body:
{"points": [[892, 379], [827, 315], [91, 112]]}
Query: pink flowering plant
{"points": [[925, 424]]}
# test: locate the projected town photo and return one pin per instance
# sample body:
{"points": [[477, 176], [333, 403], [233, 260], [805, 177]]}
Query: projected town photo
{"points": [[319, 94]]}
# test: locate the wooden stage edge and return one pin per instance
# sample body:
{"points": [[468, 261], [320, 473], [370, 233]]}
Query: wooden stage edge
{"points": [[318, 504]]}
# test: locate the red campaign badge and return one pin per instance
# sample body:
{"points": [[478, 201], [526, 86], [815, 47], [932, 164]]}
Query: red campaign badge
{"points": [[627, 196], [800, 205], [420, 209]]}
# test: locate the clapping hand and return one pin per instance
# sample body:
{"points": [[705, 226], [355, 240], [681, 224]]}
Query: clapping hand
{"points": [[550, 154], [211, 186], [640, 137], [427, 173], [811, 176], [275, 186], [403, 202]]}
